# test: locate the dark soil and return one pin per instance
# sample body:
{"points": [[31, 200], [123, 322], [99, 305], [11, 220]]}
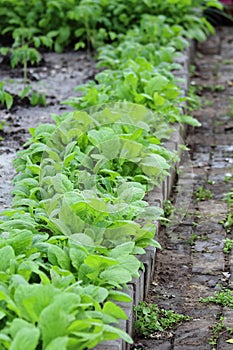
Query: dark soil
{"points": [[56, 76]]}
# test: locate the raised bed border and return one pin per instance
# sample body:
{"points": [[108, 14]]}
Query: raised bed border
{"points": [[138, 288]]}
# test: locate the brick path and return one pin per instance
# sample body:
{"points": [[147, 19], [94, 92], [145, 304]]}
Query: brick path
{"points": [[192, 263]]}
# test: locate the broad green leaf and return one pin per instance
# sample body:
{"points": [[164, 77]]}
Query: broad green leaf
{"points": [[7, 255], [55, 318], [115, 333], [32, 299], [57, 256], [9, 100], [119, 296], [112, 309], [53, 323], [59, 343], [26, 338], [158, 99], [122, 250], [116, 275], [18, 324]]}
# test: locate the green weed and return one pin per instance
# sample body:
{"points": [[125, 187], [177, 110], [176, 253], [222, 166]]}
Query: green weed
{"points": [[228, 245], [150, 318], [193, 239], [202, 194], [223, 297]]}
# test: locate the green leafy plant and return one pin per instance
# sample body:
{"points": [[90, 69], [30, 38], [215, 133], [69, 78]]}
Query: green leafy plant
{"points": [[5, 97], [150, 318], [223, 297], [228, 245], [216, 330], [193, 239], [202, 194]]}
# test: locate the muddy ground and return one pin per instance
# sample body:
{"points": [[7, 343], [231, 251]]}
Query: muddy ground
{"points": [[192, 263], [56, 76]]}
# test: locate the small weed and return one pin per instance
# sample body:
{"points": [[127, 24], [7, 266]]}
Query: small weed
{"points": [[192, 239], [5, 98], [223, 297], [228, 177], [193, 99], [202, 194], [228, 62], [213, 88], [229, 198], [192, 69], [217, 328], [211, 182], [228, 223], [208, 103], [217, 88], [228, 245], [216, 69], [150, 318], [168, 209]]}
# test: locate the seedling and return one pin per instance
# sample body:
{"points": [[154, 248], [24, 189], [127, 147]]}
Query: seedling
{"points": [[216, 330], [5, 97], [202, 194], [228, 223], [228, 177], [36, 98], [168, 209], [150, 318], [223, 297], [228, 245], [192, 239]]}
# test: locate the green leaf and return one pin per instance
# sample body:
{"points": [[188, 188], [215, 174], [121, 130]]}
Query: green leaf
{"points": [[158, 99], [116, 275], [112, 309], [53, 323], [59, 257], [119, 296], [8, 100], [114, 333], [122, 250], [187, 119], [26, 338], [58, 343], [7, 255], [32, 299]]}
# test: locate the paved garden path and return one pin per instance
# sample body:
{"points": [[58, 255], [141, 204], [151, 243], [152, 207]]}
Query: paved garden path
{"points": [[192, 263]]}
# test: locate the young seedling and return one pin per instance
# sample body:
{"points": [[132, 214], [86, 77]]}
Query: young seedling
{"points": [[202, 194], [192, 239], [150, 318], [228, 245], [223, 297]]}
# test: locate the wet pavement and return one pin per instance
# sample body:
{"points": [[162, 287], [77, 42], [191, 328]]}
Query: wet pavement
{"points": [[192, 263]]}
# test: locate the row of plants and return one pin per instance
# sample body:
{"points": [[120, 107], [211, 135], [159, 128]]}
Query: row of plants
{"points": [[79, 220]]}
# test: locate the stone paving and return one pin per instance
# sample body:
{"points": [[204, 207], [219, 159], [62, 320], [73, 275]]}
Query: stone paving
{"points": [[192, 263]]}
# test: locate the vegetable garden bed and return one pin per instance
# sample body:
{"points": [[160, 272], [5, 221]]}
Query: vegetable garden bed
{"points": [[79, 219]]}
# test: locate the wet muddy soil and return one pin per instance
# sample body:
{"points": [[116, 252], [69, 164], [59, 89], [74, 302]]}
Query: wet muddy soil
{"points": [[192, 263], [56, 76]]}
